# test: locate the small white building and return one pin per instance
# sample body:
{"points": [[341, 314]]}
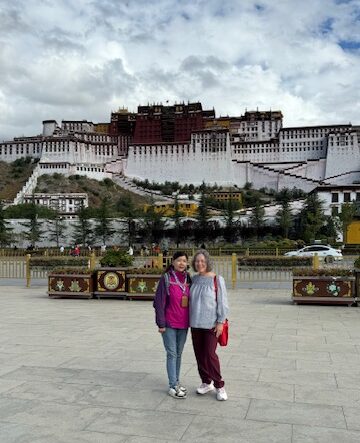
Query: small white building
{"points": [[334, 196], [66, 204]]}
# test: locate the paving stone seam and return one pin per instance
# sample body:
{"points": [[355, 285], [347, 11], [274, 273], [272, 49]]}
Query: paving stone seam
{"points": [[84, 405], [294, 424]]}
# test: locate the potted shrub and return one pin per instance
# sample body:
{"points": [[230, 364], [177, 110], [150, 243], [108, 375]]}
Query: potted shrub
{"points": [[70, 282], [142, 283], [327, 285], [110, 278]]}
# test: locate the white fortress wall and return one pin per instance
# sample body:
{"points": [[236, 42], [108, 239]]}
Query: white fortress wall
{"points": [[344, 179], [343, 153], [190, 163], [20, 147]]}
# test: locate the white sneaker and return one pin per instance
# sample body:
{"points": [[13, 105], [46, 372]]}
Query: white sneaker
{"points": [[176, 393], [181, 388], [204, 388], [221, 394]]}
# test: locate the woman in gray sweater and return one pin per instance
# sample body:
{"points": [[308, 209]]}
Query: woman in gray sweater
{"points": [[208, 312]]}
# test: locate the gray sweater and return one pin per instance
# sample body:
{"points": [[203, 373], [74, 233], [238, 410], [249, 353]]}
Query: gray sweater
{"points": [[204, 311]]}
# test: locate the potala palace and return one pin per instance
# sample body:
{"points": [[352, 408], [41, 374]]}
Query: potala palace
{"points": [[185, 143]]}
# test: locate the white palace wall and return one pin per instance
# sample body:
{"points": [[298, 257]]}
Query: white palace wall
{"points": [[188, 163]]}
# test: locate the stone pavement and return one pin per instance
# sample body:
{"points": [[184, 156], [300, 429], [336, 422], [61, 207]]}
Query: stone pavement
{"points": [[76, 371]]}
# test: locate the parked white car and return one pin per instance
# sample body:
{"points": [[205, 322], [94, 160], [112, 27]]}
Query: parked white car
{"points": [[327, 253]]}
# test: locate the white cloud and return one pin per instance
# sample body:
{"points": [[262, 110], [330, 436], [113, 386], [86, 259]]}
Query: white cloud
{"points": [[83, 59]]}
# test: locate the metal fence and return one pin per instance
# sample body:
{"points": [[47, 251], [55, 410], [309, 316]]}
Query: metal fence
{"points": [[227, 266]]}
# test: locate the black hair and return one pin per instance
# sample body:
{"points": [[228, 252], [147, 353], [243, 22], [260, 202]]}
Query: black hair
{"points": [[176, 255]]}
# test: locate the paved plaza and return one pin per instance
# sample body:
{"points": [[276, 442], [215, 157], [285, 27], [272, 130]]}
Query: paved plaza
{"points": [[76, 371]]}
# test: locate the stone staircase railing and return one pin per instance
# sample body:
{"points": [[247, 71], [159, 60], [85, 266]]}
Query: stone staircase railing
{"points": [[29, 186]]}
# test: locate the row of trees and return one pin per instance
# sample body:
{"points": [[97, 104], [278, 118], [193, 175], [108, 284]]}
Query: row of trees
{"points": [[150, 225]]}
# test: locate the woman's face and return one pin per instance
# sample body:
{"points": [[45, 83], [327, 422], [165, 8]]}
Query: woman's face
{"points": [[200, 264], [180, 263]]}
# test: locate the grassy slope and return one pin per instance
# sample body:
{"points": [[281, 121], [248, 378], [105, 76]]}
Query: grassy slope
{"points": [[13, 176], [96, 190]]}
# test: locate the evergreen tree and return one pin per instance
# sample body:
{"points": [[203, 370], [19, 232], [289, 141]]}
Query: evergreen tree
{"points": [[127, 209], [231, 225], [202, 217], [5, 230], [177, 220], [33, 226], [154, 223], [103, 222], [311, 218], [57, 229], [346, 216], [83, 232], [284, 218], [257, 218]]}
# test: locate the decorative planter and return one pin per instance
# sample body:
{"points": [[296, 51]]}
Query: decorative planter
{"points": [[142, 286], [324, 290], [70, 285], [110, 282]]}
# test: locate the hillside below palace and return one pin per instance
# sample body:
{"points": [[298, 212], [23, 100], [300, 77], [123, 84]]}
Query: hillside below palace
{"points": [[185, 143]]}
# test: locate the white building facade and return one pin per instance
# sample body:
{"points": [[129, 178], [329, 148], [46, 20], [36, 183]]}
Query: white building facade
{"points": [[253, 148]]}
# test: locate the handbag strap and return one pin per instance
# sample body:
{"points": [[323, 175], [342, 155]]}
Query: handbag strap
{"points": [[216, 287]]}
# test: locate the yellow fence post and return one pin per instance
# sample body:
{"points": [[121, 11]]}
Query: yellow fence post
{"points": [[92, 262], [27, 270], [233, 269], [247, 252], [160, 262], [316, 261]]}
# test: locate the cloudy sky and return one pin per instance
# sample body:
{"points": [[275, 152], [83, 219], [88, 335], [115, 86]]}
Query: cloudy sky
{"points": [[66, 59]]}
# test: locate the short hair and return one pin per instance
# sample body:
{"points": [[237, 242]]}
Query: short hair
{"points": [[204, 252]]}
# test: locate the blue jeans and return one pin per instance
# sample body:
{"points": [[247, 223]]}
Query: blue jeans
{"points": [[174, 341]]}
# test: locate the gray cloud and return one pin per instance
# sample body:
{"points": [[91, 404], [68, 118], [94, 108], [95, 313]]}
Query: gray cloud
{"points": [[82, 59]]}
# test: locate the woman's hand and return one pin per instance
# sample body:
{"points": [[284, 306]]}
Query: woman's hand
{"points": [[218, 329], [162, 330]]}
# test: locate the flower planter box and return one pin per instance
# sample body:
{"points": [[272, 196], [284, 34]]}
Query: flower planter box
{"points": [[70, 285], [110, 282], [142, 286], [324, 290]]}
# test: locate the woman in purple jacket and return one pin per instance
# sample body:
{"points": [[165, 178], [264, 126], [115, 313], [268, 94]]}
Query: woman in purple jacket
{"points": [[171, 305]]}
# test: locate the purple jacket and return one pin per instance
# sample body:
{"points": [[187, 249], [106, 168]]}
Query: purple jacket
{"points": [[160, 300]]}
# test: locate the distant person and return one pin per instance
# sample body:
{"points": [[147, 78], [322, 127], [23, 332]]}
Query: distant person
{"points": [[103, 249], [130, 251], [62, 249], [76, 251], [171, 305]]}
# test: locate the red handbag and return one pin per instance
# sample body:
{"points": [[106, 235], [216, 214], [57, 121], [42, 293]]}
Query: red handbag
{"points": [[224, 337]]}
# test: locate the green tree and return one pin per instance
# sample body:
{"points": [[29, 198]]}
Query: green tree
{"points": [[257, 218], [126, 207], [311, 218], [231, 224], [177, 220], [202, 217], [284, 218], [34, 232], [346, 216], [5, 230], [57, 229], [83, 232], [153, 222], [103, 221]]}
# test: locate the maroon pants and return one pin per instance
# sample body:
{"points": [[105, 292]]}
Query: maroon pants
{"points": [[204, 343]]}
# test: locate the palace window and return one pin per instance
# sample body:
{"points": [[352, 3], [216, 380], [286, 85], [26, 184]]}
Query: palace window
{"points": [[347, 197], [334, 197]]}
